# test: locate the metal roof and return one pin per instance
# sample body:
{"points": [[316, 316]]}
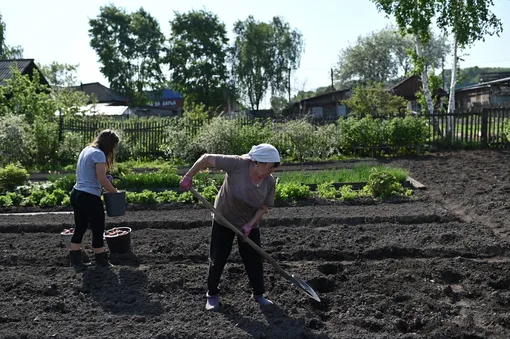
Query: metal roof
{"points": [[6, 65]]}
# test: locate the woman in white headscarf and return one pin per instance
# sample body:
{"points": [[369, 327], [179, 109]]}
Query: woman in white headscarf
{"points": [[245, 196]]}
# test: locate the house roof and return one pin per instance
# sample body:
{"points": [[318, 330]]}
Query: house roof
{"points": [[325, 94], [23, 65], [409, 86], [483, 85], [101, 92]]}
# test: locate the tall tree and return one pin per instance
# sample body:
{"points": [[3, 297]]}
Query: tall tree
{"points": [[263, 56], [468, 21], [197, 54], [130, 47], [62, 78], [414, 17], [383, 56], [8, 52]]}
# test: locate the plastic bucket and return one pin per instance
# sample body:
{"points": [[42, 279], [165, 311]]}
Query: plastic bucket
{"points": [[66, 239], [115, 203], [120, 242]]}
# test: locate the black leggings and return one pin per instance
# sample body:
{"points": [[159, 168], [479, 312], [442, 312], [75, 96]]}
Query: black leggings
{"points": [[221, 246], [88, 211]]}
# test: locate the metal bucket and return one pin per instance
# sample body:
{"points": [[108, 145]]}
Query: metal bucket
{"points": [[115, 203]]}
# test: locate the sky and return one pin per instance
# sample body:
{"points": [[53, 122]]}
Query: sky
{"points": [[57, 30]]}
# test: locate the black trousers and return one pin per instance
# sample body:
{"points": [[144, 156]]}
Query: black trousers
{"points": [[88, 211], [221, 246]]}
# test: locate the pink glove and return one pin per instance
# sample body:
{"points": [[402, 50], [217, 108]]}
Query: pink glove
{"points": [[186, 183], [246, 229]]}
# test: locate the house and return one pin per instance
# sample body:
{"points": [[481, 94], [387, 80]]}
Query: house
{"points": [[102, 94], [490, 92], [408, 88], [25, 67], [325, 106]]}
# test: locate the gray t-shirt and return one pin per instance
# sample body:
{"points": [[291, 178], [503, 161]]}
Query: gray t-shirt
{"points": [[238, 198], [86, 178]]}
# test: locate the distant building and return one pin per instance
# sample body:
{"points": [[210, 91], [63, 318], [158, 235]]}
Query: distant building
{"points": [[325, 106], [25, 67], [408, 88], [102, 94], [492, 92]]}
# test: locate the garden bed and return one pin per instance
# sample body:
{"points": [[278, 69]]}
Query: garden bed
{"points": [[436, 267]]}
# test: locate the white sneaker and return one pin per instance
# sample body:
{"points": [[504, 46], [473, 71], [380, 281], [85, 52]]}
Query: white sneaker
{"points": [[261, 300], [213, 302]]}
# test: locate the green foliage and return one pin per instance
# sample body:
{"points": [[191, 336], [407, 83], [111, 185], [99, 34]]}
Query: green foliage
{"points": [[382, 184], [263, 55], [70, 148], [49, 200], [435, 83], [6, 51], [347, 193], [66, 201], [26, 96], [12, 175], [167, 197], [59, 195], [326, 190], [65, 182], [197, 53], [186, 197], [129, 47], [15, 198], [146, 197], [16, 140], [408, 131], [365, 132], [300, 135], [375, 100], [5, 201], [292, 191], [148, 180], [46, 141], [471, 75], [210, 192]]}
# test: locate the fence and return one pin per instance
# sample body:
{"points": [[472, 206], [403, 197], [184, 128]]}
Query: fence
{"points": [[483, 128]]}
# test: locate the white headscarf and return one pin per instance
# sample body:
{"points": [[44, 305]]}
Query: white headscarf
{"points": [[264, 153]]}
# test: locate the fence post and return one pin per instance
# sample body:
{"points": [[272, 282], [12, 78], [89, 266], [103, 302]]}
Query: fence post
{"points": [[485, 123]]}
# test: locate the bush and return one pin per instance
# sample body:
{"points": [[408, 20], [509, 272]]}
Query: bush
{"points": [[408, 131], [16, 141], [65, 182], [70, 148], [15, 198], [383, 184], [12, 175], [300, 135], [46, 142], [179, 144]]}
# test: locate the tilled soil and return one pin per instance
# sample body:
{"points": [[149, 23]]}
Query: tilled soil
{"points": [[437, 267]]}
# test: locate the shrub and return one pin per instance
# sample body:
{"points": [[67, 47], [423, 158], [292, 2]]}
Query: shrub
{"points": [[46, 142], [12, 175], [34, 198], [300, 135], [16, 141], [408, 131], [65, 182], [70, 148], [383, 184], [15, 198], [179, 144]]}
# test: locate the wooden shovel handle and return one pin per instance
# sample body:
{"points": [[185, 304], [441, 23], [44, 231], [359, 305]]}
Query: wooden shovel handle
{"points": [[229, 225]]}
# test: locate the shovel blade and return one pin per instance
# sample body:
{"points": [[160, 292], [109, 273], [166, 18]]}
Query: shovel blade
{"points": [[304, 287]]}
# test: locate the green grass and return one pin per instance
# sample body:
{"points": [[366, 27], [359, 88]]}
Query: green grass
{"points": [[358, 173]]}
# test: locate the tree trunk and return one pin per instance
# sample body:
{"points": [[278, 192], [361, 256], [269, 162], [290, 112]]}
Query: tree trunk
{"points": [[424, 76], [451, 102]]}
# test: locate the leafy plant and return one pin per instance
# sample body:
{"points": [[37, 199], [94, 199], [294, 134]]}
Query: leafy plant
{"points": [[347, 193], [49, 200], [210, 192], [327, 190], [186, 197], [383, 184], [12, 175], [292, 191], [167, 197], [5, 201], [16, 140]]}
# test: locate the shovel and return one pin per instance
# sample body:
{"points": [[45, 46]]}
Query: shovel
{"points": [[307, 289]]}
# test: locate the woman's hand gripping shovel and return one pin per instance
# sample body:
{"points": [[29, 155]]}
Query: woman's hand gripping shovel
{"points": [[307, 289]]}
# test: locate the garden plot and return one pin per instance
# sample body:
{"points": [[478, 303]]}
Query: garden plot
{"points": [[433, 268], [428, 277]]}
